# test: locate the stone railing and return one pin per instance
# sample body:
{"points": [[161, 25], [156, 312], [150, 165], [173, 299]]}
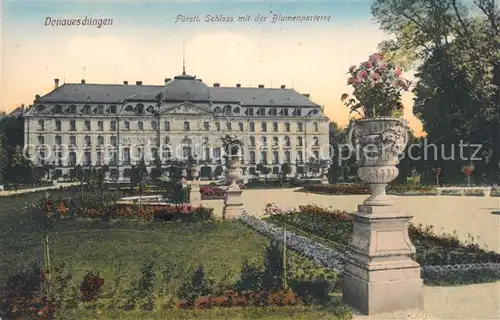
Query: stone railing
{"points": [[56, 186], [333, 259]]}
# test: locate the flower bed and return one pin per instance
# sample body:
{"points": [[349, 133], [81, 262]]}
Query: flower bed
{"points": [[212, 193], [336, 226], [182, 212]]}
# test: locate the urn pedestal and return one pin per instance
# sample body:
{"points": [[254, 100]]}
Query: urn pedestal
{"points": [[380, 275], [194, 192], [233, 203]]}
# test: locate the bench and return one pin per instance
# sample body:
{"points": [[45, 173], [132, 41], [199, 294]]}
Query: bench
{"points": [[136, 198], [485, 190]]}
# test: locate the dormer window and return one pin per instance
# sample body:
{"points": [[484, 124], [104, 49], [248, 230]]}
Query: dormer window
{"points": [[112, 109], [217, 110], [100, 110], [86, 109], [140, 109], [58, 109], [249, 111], [150, 109], [227, 111], [72, 109], [273, 112], [261, 112], [236, 110], [129, 108]]}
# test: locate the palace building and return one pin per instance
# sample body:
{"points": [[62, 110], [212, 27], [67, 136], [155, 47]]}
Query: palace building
{"points": [[95, 124]]}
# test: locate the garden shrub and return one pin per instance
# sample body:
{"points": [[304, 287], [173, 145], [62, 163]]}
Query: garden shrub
{"points": [[91, 286]]}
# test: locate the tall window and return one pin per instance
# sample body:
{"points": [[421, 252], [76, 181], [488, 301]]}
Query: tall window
{"points": [[100, 126], [72, 159], [126, 125], [88, 141], [206, 126], [287, 156], [72, 125], [299, 127], [126, 156], [263, 157], [252, 157], [275, 127], [251, 127], [113, 141], [87, 125], [315, 127], [72, 140], [252, 141], [113, 158], [300, 157], [275, 141], [112, 125], [217, 126], [41, 140], [206, 154], [88, 158], [227, 111], [100, 140], [153, 125], [167, 125], [316, 141], [140, 126], [287, 141], [58, 125], [228, 126], [58, 140], [299, 141], [240, 126], [263, 142], [276, 159], [186, 126], [287, 127], [263, 127], [98, 159], [41, 125]]}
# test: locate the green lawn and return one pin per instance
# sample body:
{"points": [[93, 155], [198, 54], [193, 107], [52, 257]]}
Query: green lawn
{"points": [[119, 251]]}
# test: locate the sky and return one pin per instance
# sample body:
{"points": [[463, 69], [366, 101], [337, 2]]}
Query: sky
{"points": [[146, 41]]}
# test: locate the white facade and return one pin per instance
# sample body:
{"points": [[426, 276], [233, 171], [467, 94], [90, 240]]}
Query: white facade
{"points": [[61, 130]]}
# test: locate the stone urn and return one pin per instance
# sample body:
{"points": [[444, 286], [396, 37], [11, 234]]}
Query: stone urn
{"points": [[378, 143], [233, 203], [233, 172], [195, 172], [194, 193]]}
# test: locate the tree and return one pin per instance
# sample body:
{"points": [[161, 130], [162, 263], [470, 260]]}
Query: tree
{"points": [[218, 170], [285, 170]]}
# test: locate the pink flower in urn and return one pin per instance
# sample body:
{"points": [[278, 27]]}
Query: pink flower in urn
{"points": [[376, 57], [352, 68], [398, 72], [375, 76], [368, 64], [362, 74], [351, 80]]}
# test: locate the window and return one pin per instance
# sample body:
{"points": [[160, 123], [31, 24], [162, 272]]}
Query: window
{"points": [[41, 140], [41, 157], [100, 110], [166, 152], [299, 127], [206, 154], [316, 155], [167, 140], [186, 151], [140, 109], [41, 125], [236, 110], [217, 153], [284, 112], [261, 112], [58, 140], [72, 141], [300, 157], [287, 157], [58, 125], [263, 157], [153, 125], [227, 111], [251, 127], [167, 125], [263, 141], [140, 126], [275, 141], [240, 126], [72, 159], [72, 125], [100, 126], [273, 112], [86, 109], [72, 109], [252, 157], [139, 155], [58, 109], [299, 141], [263, 127], [126, 156], [252, 141], [112, 109], [100, 140], [88, 141], [112, 125], [276, 159], [186, 125], [88, 158], [287, 127], [98, 159], [126, 125], [87, 125], [206, 126], [316, 141], [315, 127], [113, 141], [113, 158], [217, 110], [228, 126], [275, 127], [217, 126], [249, 112], [287, 141]]}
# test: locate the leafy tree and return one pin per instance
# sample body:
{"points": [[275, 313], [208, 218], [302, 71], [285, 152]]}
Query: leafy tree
{"points": [[285, 170]]}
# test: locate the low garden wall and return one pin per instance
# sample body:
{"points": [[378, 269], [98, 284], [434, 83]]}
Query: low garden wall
{"points": [[36, 189]]}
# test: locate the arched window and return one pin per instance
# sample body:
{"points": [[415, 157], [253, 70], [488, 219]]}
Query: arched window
{"points": [[251, 127], [315, 127], [153, 125], [275, 127], [252, 141], [217, 110], [186, 126], [228, 126], [227, 111], [126, 125], [299, 141], [287, 141], [252, 157], [167, 125], [58, 125], [140, 126], [263, 141], [140, 108], [287, 157], [275, 141], [240, 126], [316, 141], [217, 126], [236, 110], [264, 127], [287, 127], [273, 112]]}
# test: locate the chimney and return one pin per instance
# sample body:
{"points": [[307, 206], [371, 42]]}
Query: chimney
{"points": [[56, 83], [261, 86], [167, 80], [83, 81], [125, 82], [37, 98], [216, 85], [199, 80], [307, 95], [139, 83], [238, 85], [283, 86]]}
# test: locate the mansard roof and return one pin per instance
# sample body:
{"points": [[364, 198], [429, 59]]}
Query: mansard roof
{"points": [[186, 89]]}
